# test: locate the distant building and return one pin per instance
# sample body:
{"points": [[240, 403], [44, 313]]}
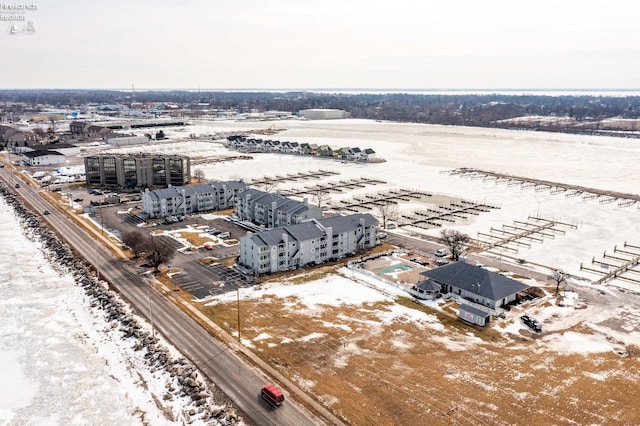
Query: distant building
{"points": [[273, 210], [18, 138], [311, 242], [122, 140], [88, 130], [177, 200], [62, 148], [277, 114], [137, 170], [43, 158], [323, 114]]}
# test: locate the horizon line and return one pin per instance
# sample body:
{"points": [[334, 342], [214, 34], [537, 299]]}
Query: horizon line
{"points": [[333, 89]]}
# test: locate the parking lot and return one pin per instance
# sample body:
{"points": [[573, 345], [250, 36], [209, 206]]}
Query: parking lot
{"points": [[196, 277]]}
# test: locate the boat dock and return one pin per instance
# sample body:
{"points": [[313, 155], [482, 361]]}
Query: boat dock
{"points": [[603, 196], [617, 265], [292, 177], [522, 234], [367, 202], [434, 217], [335, 187]]}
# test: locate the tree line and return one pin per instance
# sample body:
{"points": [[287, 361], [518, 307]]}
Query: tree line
{"points": [[484, 110]]}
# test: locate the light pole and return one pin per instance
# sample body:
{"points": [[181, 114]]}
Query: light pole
{"points": [[238, 309], [153, 333]]}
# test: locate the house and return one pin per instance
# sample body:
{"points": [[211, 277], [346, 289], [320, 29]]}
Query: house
{"points": [[310, 242], [353, 153], [20, 138], [341, 152], [324, 151], [472, 283], [367, 155]]}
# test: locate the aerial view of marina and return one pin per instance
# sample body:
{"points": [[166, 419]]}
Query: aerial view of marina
{"points": [[315, 230]]}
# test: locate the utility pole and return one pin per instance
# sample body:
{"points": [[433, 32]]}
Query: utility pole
{"points": [[238, 299], [153, 333]]}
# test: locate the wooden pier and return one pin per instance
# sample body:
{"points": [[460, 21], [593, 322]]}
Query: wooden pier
{"points": [[292, 177], [335, 187], [618, 265], [522, 234], [435, 217], [603, 196], [367, 202]]}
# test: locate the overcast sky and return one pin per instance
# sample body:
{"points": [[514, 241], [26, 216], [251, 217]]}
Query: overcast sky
{"points": [[306, 44]]}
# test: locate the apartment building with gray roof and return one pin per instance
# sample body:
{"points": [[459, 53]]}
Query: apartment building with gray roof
{"points": [[307, 243]]}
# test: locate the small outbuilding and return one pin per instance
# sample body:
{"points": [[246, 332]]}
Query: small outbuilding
{"points": [[473, 315]]}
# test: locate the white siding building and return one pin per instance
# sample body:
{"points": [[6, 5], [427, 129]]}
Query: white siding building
{"points": [[180, 200], [308, 243], [43, 158], [323, 114]]}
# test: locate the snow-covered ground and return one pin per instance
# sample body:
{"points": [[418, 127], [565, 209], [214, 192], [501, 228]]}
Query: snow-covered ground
{"points": [[62, 362]]}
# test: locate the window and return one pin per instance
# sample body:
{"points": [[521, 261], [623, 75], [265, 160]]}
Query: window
{"points": [[110, 175]]}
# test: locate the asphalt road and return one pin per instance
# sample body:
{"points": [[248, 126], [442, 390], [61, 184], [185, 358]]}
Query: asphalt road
{"points": [[237, 379]]}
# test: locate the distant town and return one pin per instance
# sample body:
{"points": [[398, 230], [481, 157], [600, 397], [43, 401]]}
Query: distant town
{"points": [[580, 113]]}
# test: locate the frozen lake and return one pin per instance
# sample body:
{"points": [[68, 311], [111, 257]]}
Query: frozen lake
{"points": [[417, 155]]}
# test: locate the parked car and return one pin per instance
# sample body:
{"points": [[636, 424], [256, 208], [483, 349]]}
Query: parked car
{"points": [[441, 253], [17, 185], [532, 323], [382, 235], [46, 212]]}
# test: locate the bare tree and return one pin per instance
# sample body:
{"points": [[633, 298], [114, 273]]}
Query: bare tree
{"points": [[456, 242], [320, 196], [159, 253], [52, 127], [387, 211], [559, 277], [136, 241], [199, 174], [269, 184]]}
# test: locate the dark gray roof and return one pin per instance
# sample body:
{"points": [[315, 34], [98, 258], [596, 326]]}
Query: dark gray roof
{"points": [[342, 224], [283, 204], [305, 230], [53, 146], [476, 279], [474, 311], [203, 188], [36, 154], [429, 285], [299, 232], [369, 151]]}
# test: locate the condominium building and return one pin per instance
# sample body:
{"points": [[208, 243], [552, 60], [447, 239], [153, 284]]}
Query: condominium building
{"points": [[308, 243], [273, 210], [137, 170], [180, 200]]}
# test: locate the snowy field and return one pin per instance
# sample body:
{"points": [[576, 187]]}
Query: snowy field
{"points": [[62, 361], [417, 155]]}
